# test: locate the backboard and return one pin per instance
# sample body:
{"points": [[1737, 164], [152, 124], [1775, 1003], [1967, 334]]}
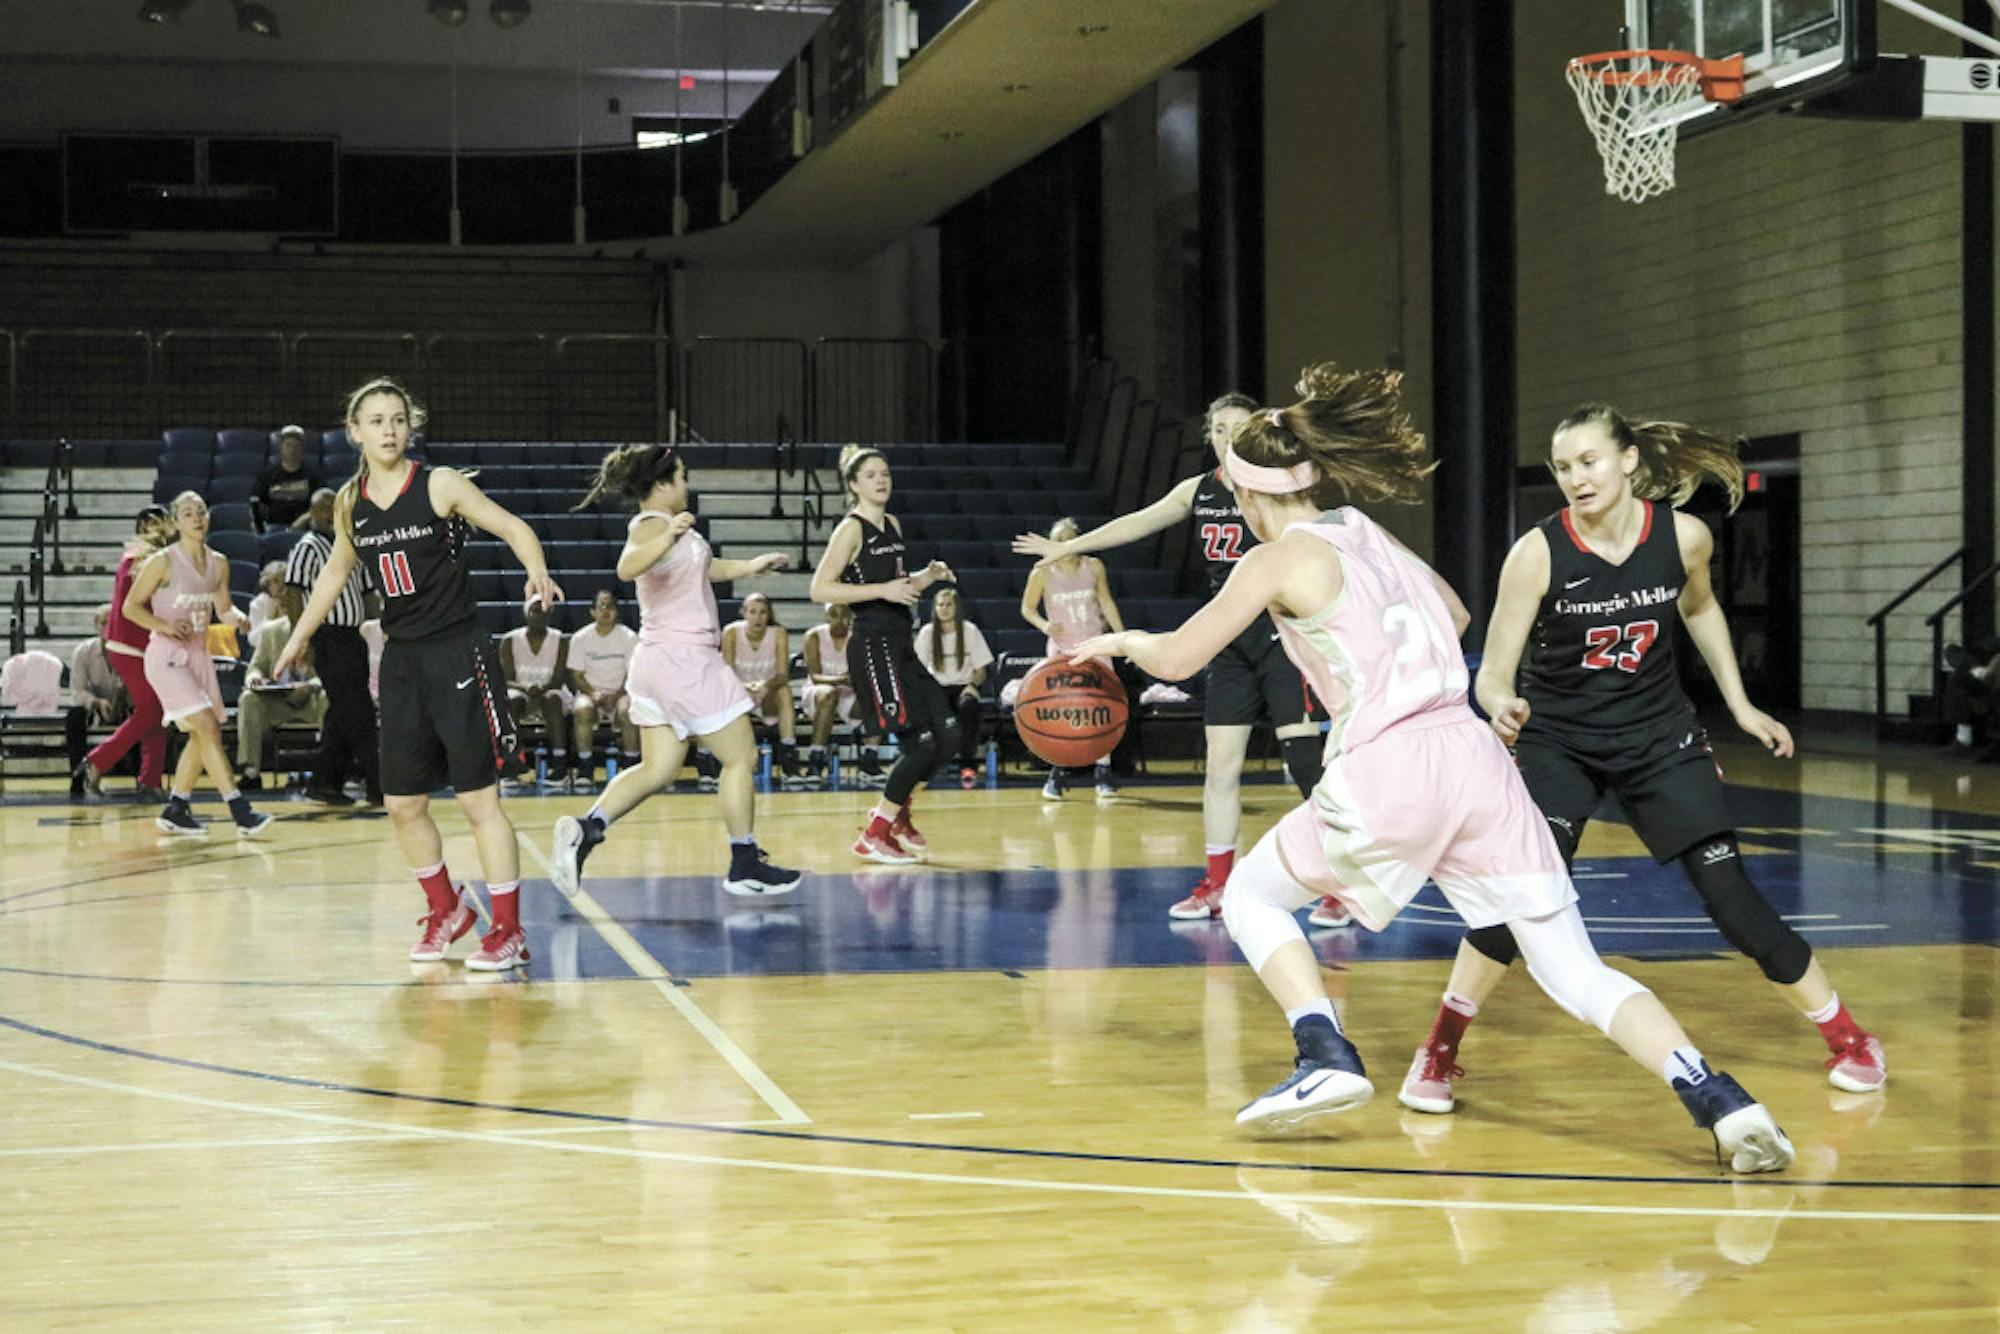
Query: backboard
{"points": [[1791, 49]]}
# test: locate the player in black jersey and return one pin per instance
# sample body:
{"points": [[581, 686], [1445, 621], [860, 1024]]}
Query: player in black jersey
{"points": [[444, 708], [864, 566], [1588, 596], [1250, 680]]}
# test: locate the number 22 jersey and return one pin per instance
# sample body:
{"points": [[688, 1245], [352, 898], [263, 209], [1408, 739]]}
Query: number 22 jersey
{"points": [[1600, 658]]}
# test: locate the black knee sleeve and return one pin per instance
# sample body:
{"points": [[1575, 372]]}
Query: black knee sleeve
{"points": [[1303, 760], [1495, 942], [916, 764], [1746, 920]]}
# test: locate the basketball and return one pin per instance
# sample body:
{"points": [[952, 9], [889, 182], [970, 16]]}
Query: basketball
{"points": [[1070, 714]]}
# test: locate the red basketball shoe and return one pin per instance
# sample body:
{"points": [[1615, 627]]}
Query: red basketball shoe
{"points": [[906, 834], [1858, 1067], [499, 950], [880, 845], [1329, 913], [441, 929], [1205, 902]]}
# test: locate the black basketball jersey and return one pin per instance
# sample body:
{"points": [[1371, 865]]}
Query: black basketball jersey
{"points": [[1601, 656], [1220, 529], [414, 558], [879, 561]]}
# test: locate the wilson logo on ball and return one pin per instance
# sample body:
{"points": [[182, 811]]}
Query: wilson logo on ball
{"points": [[1069, 714]]}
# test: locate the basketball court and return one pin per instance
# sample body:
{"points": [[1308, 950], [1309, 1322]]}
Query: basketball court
{"points": [[697, 1112]]}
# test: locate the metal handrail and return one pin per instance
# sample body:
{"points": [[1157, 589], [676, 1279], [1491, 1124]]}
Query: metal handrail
{"points": [[1936, 623], [1879, 623], [17, 620], [38, 583]]}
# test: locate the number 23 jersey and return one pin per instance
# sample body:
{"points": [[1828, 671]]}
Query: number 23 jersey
{"points": [[1600, 658]]}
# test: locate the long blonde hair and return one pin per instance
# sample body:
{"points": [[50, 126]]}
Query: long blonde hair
{"points": [[1352, 427], [1674, 458]]}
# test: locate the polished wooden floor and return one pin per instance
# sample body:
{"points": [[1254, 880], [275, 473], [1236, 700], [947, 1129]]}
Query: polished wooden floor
{"points": [[996, 1093]]}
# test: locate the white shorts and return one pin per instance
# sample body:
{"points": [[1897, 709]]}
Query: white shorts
{"points": [[687, 687], [564, 696], [843, 707]]}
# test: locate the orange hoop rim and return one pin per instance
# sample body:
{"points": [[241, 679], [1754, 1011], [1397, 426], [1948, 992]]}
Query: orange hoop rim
{"points": [[1720, 80]]}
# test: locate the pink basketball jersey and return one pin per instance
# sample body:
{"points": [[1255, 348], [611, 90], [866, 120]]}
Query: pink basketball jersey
{"points": [[832, 657], [1384, 653], [1069, 601], [186, 593], [676, 601]]}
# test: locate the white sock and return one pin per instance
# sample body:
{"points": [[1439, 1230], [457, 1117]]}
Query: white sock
{"points": [[1322, 1006], [1460, 1004], [1963, 735], [1825, 1012], [1684, 1064]]}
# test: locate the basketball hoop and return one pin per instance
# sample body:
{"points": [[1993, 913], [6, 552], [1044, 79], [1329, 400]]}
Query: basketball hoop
{"points": [[1631, 100]]}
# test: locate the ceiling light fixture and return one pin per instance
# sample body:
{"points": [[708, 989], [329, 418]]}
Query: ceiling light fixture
{"points": [[451, 13], [163, 11], [510, 13], [252, 17]]}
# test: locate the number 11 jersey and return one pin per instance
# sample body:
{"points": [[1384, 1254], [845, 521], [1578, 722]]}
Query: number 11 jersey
{"points": [[415, 558], [1601, 656]]}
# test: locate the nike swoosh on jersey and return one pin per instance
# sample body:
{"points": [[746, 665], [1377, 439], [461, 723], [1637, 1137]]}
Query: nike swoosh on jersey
{"points": [[1577, 583], [466, 682]]}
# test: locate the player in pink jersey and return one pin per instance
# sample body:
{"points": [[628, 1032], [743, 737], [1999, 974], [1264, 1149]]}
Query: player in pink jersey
{"points": [[1415, 786], [679, 685], [176, 593], [1069, 600]]}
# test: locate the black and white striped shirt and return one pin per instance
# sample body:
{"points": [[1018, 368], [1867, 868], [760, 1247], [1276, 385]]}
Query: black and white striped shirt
{"points": [[302, 568]]}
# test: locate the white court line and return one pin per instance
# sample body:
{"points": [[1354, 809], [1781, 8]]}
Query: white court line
{"points": [[993, 1182], [645, 965], [1665, 921], [947, 1116]]}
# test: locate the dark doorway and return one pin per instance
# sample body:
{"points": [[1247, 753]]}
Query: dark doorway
{"points": [[1756, 576]]}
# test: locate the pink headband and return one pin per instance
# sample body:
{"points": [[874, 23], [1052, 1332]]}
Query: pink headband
{"points": [[1271, 481]]}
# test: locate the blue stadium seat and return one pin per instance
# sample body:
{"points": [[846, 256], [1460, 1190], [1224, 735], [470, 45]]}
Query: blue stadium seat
{"points": [[243, 440], [446, 455], [238, 465], [187, 463], [168, 485], [192, 439], [278, 543], [232, 516], [239, 547], [334, 437], [231, 490]]}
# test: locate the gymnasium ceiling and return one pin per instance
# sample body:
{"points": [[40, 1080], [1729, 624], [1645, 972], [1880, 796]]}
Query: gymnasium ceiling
{"points": [[1003, 81]]}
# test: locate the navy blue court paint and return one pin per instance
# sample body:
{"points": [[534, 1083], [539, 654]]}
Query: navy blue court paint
{"points": [[988, 1150]]}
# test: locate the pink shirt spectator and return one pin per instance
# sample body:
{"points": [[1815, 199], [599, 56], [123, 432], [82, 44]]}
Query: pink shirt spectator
{"points": [[32, 682]]}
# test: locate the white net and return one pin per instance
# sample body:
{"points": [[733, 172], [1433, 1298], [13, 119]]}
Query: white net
{"points": [[1628, 100]]}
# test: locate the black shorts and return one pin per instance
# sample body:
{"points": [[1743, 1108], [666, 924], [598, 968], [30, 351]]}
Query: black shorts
{"points": [[1665, 776], [1253, 681], [893, 693], [445, 720]]}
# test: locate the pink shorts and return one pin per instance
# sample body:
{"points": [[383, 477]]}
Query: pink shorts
{"points": [[843, 707], [687, 687], [1443, 803], [183, 678]]}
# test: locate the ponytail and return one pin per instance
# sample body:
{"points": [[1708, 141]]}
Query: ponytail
{"points": [[1351, 426], [1674, 458], [631, 470]]}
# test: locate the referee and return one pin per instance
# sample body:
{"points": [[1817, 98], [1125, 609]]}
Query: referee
{"points": [[347, 733]]}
